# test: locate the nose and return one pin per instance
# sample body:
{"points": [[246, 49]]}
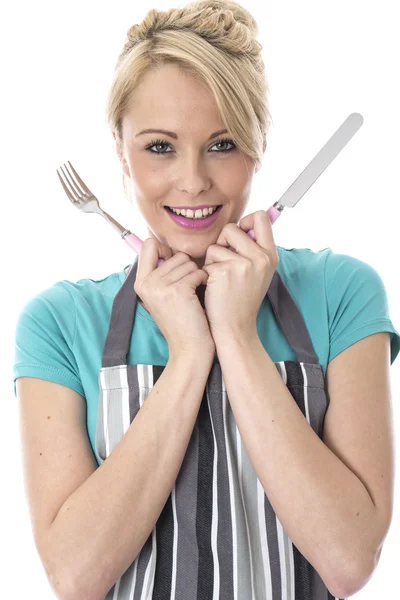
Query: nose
{"points": [[192, 176]]}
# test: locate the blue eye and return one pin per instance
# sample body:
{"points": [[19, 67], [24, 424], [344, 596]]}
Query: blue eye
{"points": [[165, 143], [157, 143], [226, 141]]}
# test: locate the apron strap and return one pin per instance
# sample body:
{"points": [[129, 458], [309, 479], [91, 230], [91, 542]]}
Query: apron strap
{"points": [[118, 339], [285, 310], [291, 321]]}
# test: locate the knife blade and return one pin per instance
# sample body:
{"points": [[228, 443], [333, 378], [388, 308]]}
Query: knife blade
{"points": [[321, 160]]}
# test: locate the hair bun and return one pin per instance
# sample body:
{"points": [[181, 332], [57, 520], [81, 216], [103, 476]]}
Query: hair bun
{"points": [[223, 23], [153, 21], [225, 8]]}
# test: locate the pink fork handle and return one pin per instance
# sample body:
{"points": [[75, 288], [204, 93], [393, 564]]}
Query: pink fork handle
{"points": [[136, 243]]}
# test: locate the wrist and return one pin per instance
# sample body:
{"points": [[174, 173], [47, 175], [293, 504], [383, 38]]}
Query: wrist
{"points": [[236, 336], [199, 353]]}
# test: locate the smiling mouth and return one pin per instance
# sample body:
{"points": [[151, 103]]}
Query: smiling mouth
{"points": [[215, 209], [194, 223]]}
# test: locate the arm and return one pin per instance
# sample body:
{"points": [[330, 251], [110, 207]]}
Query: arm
{"points": [[347, 477], [91, 541]]}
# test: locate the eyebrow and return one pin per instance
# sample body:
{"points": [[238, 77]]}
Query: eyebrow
{"points": [[173, 135]]}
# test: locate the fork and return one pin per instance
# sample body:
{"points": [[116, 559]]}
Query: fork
{"points": [[83, 199]]}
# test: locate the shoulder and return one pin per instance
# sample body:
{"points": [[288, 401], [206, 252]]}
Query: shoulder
{"points": [[48, 302], [86, 287], [334, 267], [301, 267], [304, 259], [58, 303], [346, 281], [346, 292], [344, 267]]}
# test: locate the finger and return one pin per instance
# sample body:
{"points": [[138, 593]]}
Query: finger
{"points": [[217, 253], [260, 222], [210, 271], [150, 252], [237, 240]]}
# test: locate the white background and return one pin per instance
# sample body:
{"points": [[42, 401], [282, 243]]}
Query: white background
{"points": [[324, 60]]}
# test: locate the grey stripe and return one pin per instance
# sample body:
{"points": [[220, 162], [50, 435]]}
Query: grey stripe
{"points": [[186, 503], [243, 549], [277, 576], [238, 535], [249, 479], [224, 531], [273, 549], [242, 565], [317, 407], [314, 374], [134, 390], [320, 591]]}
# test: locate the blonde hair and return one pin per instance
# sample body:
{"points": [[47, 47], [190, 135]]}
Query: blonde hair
{"points": [[213, 40]]}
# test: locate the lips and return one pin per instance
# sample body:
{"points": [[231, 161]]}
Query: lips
{"points": [[194, 223]]}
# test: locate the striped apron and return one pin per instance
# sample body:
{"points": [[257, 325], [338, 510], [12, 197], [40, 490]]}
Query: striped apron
{"points": [[217, 537]]}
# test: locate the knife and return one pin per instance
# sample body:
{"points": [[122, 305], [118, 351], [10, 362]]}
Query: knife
{"points": [[315, 168]]}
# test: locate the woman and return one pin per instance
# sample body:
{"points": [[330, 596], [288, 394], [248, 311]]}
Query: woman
{"points": [[234, 447]]}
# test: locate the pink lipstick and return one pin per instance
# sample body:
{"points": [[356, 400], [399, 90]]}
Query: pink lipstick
{"points": [[201, 223]]}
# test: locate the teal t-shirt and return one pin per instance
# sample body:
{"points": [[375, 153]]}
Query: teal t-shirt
{"points": [[61, 332]]}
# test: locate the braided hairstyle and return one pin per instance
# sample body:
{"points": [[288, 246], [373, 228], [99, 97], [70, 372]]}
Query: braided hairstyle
{"points": [[213, 40]]}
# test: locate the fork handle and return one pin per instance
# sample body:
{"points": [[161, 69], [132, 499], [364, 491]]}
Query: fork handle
{"points": [[136, 243]]}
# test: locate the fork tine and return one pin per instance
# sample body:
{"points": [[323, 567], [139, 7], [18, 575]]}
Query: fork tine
{"points": [[67, 191], [80, 180], [72, 182]]}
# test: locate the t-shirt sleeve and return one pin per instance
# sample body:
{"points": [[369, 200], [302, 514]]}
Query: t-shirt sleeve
{"points": [[357, 304], [44, 339]]}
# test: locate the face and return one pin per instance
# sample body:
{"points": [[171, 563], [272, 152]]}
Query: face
{"points": [[187, 169]]}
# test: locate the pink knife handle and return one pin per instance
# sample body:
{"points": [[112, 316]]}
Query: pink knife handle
{"points": [[273, 214], [136, 243]]}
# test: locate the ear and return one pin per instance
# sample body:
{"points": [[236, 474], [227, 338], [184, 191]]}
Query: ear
{"points": [[125, 167], [120, 154]]}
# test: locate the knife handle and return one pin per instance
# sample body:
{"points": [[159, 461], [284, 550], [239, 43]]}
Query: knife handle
{"points": [[273, 212]]}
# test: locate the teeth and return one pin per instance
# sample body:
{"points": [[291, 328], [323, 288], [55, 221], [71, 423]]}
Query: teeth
{"points": [[190, 214]]}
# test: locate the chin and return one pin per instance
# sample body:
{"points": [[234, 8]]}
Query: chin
{"points": [[194, 248]]}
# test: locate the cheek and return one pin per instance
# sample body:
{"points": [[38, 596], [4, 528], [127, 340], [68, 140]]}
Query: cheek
{"points": [[148, 181], [234, 174], [237, 183]]}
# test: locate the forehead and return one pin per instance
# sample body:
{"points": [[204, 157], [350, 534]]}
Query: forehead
{"points": [[169, 97]]}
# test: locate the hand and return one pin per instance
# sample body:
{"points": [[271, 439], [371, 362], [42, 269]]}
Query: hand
{"points": [[238, 281], [168, 293]]}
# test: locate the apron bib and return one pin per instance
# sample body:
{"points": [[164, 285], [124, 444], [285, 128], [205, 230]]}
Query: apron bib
{"points": [[217, 537]]}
